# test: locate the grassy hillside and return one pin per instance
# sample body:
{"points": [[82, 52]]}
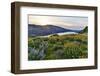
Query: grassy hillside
{"points": [[58, 47], [85, 30]]}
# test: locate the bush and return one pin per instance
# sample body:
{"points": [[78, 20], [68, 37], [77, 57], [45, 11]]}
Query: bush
{"points": [[58, 47]]}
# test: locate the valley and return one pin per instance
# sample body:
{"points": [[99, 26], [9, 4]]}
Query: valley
{"points": [[61, 45]]}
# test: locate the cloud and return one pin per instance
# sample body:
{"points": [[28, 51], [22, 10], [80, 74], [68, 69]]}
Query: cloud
{"points": [[62, 21]]}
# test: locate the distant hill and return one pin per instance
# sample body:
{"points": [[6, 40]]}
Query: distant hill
{"points": [[85, 30], [38, 30]]}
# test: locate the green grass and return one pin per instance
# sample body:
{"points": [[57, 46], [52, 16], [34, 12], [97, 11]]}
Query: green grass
{"points": [[58, 47]]}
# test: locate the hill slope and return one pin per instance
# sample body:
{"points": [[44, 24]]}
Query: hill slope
{"points": [[85, 30], [38, 30]]}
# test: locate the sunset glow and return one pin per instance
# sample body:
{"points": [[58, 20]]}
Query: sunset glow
{"points": [[62, 21]]}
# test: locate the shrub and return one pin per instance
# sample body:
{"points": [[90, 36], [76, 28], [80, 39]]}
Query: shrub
{"points": [[58, 47]]}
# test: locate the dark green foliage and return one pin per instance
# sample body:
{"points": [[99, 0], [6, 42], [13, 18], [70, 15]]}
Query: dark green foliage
{"points": [[58, 47], [85, 30], [54, 35]]}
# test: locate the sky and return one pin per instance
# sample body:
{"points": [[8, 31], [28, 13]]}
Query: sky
{"points": [[69, 22]]}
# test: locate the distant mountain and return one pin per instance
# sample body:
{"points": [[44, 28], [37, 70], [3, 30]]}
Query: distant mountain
{"points": [[85, 30], [38, 30]]}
